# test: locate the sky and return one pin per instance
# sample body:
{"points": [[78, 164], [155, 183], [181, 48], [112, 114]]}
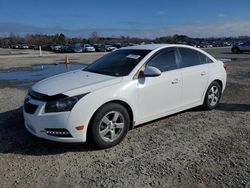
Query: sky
{"points": [[134, 18]]}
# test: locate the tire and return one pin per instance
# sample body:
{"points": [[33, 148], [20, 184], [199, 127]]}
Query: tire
{"points": [[212, 97], [109, 125], [236, 50]]}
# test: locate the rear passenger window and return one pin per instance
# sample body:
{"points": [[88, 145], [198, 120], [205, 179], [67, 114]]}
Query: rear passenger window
{"points": [[204, 59], [189, 57], [165, 60], [247, 43]]}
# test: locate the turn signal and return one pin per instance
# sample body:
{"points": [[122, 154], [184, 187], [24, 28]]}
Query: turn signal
{"points": [[225, 66], [80, 127]]}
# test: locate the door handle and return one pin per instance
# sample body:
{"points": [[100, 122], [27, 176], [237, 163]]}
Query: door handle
{"points": [[175, 81], [203, 73]]}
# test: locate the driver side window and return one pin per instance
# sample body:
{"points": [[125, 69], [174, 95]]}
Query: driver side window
{"points": [[165, 60]]}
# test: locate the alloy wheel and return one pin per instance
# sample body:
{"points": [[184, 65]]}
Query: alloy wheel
{"points": [[111, 126], [213, 96]]}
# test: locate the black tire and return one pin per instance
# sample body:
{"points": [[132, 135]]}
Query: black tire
{"points": [[209, 101], [97, 123], [236, 50]]}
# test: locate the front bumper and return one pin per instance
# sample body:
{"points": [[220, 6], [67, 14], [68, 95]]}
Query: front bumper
{"points": [[37, 122]]}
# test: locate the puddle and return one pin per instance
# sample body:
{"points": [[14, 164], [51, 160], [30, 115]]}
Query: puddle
{"points": [[226, 60], [25, 78]]}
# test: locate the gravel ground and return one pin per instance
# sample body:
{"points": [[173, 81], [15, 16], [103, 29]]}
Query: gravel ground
{"points": [[194, 148]]}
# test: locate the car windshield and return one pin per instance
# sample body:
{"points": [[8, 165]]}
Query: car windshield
{"points": [[118, 63], [77, 45]]}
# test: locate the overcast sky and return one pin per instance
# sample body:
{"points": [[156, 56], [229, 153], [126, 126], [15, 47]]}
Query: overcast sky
{"points": [[141, 18]]}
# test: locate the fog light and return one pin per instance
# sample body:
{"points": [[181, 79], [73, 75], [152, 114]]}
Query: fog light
{"points": [[58, 132]]}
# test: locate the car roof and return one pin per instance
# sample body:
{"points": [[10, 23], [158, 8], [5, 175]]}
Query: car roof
{"points": [[156, 47], [146, 46]]}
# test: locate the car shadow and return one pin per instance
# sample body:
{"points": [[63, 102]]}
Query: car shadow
{"points": [[220, 107], [227, 52], [234, 107], [14, 138], [225, 107]]}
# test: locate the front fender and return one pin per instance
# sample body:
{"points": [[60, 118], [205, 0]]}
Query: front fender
{"points": [[84, 109]]}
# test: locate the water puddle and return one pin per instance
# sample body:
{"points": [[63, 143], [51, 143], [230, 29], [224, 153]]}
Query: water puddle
{"points": [[25, 78], [226, 60]]}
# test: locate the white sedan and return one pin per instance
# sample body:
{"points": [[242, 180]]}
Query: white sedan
{"points": [[123, 89], [88, 48]]}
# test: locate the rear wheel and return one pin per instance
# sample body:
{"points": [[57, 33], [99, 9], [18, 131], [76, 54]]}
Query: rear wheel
{"points": [[213, 96], [109, 125]]}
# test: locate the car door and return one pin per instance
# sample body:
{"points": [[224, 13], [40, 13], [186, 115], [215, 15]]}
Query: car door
{"points": [[246, 46], [195, 75], [158, 95]]}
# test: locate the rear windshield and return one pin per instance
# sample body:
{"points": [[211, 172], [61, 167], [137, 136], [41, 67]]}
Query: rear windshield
{"points": [[118, 63]]}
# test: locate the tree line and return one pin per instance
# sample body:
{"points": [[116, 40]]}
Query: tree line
{"points": [[43, 39]]}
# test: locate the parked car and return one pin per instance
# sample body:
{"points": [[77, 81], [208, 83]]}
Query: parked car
{"points": [[34, 47], [227, 43], [15, 46], [57, 48], [110, 48], [88, 48], [6, 46], [23, 46], [118, 45], [65, 48], [77, 48], [99, 47], [46, 47], [121, 90], [240, 48]]}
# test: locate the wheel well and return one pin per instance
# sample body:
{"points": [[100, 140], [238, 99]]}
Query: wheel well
{"points": [[220, 83], [236, 47], [128, 108]]}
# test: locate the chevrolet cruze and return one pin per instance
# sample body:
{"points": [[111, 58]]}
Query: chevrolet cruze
{"points": [[123, 89]]}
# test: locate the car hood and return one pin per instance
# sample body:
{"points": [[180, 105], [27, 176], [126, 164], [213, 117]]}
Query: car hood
{"points": [[74, 80]]}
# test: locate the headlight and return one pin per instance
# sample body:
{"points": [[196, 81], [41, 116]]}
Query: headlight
{"points": [[63, 105]]}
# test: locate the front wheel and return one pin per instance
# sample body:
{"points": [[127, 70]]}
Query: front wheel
{"points": [[109, 125], [213, 96], [236, 50]]}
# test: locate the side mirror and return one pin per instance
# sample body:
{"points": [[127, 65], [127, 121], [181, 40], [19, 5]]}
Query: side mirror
{"points": [[151, 72]]}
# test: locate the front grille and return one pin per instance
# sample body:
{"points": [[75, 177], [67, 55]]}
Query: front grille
{"points": [[30, 108]]}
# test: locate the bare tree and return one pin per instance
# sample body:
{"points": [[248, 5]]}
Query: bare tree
{"points": [[94, 37]]}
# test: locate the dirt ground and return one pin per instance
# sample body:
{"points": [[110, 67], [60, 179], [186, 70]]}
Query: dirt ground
{"points": [[194, 148], [17, 58]]}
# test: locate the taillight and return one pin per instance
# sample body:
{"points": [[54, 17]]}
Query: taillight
{"points": [[225, 66]]}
